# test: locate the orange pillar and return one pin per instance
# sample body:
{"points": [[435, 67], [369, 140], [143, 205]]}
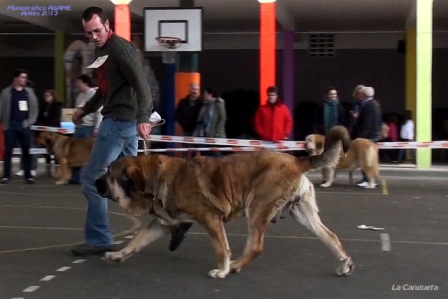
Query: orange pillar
{"points": [[267, 46], [123, 21]]}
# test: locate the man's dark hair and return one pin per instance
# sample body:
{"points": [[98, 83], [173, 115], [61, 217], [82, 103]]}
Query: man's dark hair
{"points": [[86, 79], [94, 10], [272, 89], [18, 72], [213, 92]]}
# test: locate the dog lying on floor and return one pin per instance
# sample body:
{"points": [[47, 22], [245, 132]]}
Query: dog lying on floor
{"points": [[359, 153], [212, 191], [68, 151]]}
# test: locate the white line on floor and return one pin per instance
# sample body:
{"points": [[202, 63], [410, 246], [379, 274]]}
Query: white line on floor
{"points": [[118, 242], [63, 269], [40, 227], [30, 289], [385, 241], [129, 237], [342, 239], [79, 261], [48, 278], [348, 192]]}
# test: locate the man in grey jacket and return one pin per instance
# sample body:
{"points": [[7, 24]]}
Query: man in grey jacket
{"points": [[18, 111]]}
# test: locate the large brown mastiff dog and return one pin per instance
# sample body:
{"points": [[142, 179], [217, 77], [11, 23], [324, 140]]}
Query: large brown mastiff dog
{"points": [[359, 153], [212, 191], [69, 152]]}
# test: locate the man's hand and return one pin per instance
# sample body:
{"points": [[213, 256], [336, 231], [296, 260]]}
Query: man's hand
{"points": [[77, 116], [144, 130]]}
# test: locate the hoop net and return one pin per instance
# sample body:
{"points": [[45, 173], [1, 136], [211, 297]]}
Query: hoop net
{"points": [[168, 43]]}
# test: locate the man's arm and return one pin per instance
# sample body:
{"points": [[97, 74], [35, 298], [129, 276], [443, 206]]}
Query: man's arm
{"points": [[33, 108], [129, 64], [288, 122], [2, 102], [93, 103]]}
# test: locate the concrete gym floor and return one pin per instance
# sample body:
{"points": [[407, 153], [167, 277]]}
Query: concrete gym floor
{"points": [[39, 224]]}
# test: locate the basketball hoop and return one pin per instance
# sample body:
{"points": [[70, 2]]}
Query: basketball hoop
{"points": [[169, 43]]}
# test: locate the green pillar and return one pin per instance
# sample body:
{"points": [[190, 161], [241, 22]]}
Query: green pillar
{"points": [[424, 47], [59, 68]]}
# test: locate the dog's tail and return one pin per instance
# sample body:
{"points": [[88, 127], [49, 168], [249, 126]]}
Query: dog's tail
{"points": [[331, 154], [338, 133]]}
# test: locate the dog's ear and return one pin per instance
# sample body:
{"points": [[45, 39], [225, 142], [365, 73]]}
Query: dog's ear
{"points": [[133, 175]]}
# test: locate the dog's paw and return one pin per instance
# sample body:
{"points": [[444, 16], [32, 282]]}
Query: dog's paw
{"points": [[325, 185], [117, 256], [235, 267], [218, 273], [346, 267], [62, 182]]}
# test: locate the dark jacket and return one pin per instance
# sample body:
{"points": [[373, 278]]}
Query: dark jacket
{"points": [[368, 124], [342, 118], [50, 115], [123, 90], [217, 123], [187, 114]]}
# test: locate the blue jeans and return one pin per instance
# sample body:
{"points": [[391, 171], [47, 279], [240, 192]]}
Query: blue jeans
{"points": [[17, 132], [80, 132], [114, 138]]}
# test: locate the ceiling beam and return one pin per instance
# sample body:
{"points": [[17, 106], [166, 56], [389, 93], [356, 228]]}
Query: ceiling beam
{"points": [[284, 16]]}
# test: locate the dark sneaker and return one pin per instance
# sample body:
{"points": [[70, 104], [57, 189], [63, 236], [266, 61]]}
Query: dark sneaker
{"points": [[30, 181], [178, 234], [87, 250], [5, 181]]}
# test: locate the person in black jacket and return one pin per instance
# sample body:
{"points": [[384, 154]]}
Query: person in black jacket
{"points": [[187, 110], [332, 112], [369, 121], [49, 116]]}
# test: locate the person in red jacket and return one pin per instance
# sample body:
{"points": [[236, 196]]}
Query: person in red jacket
{"points": [[273, 121]]}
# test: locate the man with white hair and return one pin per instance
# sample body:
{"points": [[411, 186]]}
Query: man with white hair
{"points": [[369, 121]]}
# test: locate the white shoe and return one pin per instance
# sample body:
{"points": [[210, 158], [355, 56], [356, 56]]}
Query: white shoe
{"points": [[362, 184], [19, 173], [33, 173]]}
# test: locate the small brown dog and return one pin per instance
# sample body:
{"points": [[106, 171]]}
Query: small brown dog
{"points": [[69, 152], [359, 153]]}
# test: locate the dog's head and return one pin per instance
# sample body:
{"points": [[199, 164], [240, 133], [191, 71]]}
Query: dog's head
{"points": [[47, 139], [314, 144], [131, 182]]}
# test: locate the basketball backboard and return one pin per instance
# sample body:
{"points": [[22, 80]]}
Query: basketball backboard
{"points": [[183, 23]]}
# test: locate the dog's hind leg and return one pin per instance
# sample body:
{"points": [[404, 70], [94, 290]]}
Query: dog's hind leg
{"points": [[215, 227], [153, 231], [305, 211], [328, 175]]}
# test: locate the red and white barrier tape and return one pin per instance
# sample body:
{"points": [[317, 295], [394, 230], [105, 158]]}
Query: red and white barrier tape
{"points": [[240, 143]]}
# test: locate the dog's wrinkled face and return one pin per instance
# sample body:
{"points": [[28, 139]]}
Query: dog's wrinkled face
{"points": [[46, 139], [314, 145], [124, 183]]}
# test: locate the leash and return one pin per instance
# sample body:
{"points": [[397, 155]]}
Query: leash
{"points": [[154, 124]]}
